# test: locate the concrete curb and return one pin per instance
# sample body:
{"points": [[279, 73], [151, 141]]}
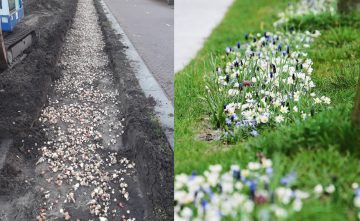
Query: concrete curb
{"points": [[163, 108]]}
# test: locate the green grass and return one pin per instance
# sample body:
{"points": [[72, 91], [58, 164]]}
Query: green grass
{"points": [[321, 147]]}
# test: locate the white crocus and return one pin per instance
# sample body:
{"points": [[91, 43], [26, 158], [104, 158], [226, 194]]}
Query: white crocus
{"points": [[284, 109], [279, 119], [318, 189]]}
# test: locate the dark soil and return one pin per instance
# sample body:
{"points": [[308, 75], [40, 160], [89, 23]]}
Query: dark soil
{"points": [[143, 138], [23, 93]]}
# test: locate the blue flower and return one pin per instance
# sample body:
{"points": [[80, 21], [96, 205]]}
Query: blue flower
{"points": [[228, 50], [228, 121], [273, 68], [237, 174], [196, 194], [204, 203], [269, 171], [288, 179], [246, 36], [357, 192], [240, 86], [236, 64], [234, 117], [252, 187], [238, 44], [254, 133]]}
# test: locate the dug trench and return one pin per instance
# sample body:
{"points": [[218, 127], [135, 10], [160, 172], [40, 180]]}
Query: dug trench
{"points": [[25, 90]]}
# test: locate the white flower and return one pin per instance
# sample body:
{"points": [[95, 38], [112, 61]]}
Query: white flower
{"points": [[284, 194], [357, 202], [301, 194], [183, 197], [280, 212], [309, 71], [318, 189], [295, 108], [292, 70], [233, 92], [266, 163], [215, 168], [264, 118], [277, 103], [284, 109], [248, 206], [212, 178], [326, 100], [290, 81], [297, 205], [330, 188], [239, 185], [254, 166], [230, 109], [355, 185], [311, 84], [279, 119], [317, 32], [222, 80], [235, 168], [248, 95], [317, 101], [304, 116], [301, 75], [187, 213], [245, 173], [253, 79]]}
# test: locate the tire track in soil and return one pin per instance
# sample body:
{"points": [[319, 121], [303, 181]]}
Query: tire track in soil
{"points": [[82, 175]]}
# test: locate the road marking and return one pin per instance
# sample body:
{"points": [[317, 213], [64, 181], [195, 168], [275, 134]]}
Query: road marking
{"points": [[163, 108]]}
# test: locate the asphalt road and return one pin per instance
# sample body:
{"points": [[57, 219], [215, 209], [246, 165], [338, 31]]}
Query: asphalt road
{"points": [[149, 24]]}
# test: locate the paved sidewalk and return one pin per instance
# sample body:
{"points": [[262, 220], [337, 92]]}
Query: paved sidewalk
{"points": [[149, 24], [194, 21]]}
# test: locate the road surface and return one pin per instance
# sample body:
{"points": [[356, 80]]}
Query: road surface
{"points": [[149, 24]]}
